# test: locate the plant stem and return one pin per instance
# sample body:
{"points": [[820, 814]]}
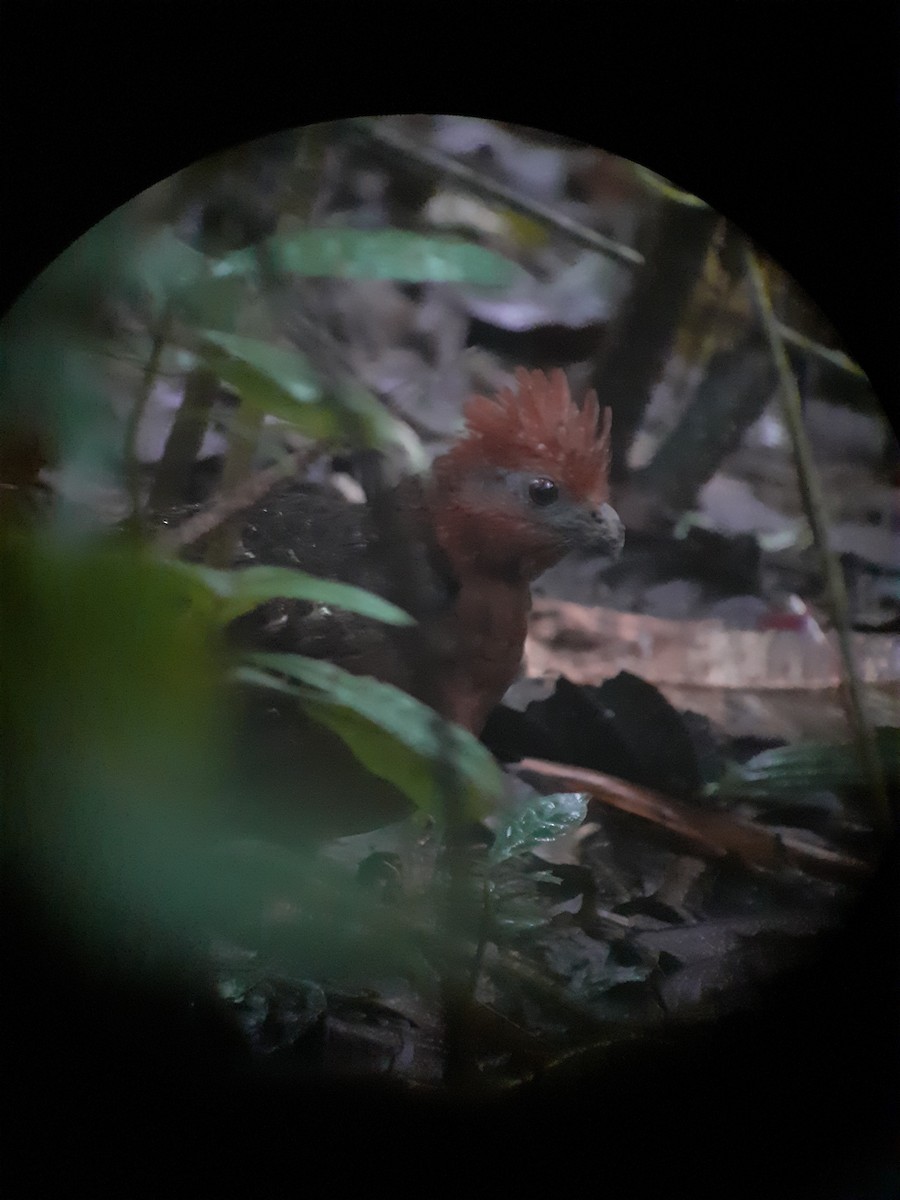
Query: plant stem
{"points": [[244, 438], [132, 467], [816, 514]]}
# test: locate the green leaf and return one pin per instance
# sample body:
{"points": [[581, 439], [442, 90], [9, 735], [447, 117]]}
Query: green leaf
{"points": [[543, 819], [282, 382], [393, 735], [376, 254], [245, 588], [809, 767], [165, 265], [277, 381], [213, 303], [378, 427], [177, 276]]}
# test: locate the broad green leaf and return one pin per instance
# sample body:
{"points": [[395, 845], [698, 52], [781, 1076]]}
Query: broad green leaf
{"points": [[282, 382], [241, 590], [175, 274], [277, 381], [165, 265], [543, 819], [258, 678], [377, 254], [379, 428], [393, 735], [213, 303]]}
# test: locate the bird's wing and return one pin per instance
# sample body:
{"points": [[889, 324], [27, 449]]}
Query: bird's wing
{"points": [[385, 549]]}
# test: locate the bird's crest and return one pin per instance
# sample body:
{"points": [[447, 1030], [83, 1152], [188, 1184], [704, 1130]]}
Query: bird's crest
{"points": [[538, 427]]}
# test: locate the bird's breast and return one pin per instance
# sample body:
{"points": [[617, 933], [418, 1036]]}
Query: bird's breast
{"points": [[490, 620]]}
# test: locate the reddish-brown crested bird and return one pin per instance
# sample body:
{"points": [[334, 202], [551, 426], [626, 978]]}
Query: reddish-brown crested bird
{"points": [[526, 484]]}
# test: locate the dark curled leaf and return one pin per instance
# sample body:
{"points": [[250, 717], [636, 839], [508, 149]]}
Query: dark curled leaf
{"points": [[543, 819]]}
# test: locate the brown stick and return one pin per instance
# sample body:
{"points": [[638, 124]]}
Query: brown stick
{"points": [[714, 833], [225, 505]]}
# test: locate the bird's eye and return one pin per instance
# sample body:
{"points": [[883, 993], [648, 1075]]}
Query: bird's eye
{"points": [[543, 491]]}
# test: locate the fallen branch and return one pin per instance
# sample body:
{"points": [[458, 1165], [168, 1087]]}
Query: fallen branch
{"points": [[715, 834], [445, 166], [253, 488]]}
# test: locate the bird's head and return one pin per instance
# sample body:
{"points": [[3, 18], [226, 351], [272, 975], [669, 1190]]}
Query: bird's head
{"points": [[528, 482]]}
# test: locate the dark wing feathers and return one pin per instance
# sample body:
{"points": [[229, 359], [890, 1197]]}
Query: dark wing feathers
{"points": [[386, 549]]}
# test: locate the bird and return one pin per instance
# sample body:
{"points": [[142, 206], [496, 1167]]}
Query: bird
{"points": [[458, 549]]}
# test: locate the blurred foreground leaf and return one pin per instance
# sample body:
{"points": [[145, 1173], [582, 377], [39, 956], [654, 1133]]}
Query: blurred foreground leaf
{"points": [[112, 724], [211, 293], [164, 266], [376, 254], [50, 386], [270, 379], [395, 736], [810, 767], [231, 593]]}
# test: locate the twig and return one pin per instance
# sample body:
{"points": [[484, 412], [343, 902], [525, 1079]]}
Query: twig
{"points": [[445, 165], [836, 358], [226, 504], [185, 439], [816, 514], [713, 833], [241, 449], [132, 425], [484, 930]]}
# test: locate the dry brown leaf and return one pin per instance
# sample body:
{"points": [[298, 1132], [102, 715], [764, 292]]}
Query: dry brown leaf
{"points": [[769, 683], [597, 643]]}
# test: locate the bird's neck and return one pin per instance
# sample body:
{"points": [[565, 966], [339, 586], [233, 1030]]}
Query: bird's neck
{"points": [[489, 625], [493, 544], [492, 567]]}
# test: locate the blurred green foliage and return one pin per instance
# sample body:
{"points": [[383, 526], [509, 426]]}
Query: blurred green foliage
{"points": [[228, 594], [806, 769], [112, 725], [116, 685], [394, 736], [378, 254]]}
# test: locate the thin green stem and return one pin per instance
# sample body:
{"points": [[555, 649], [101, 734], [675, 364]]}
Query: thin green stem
{"points": [[135, 416], [244, 438], [816, 514]]}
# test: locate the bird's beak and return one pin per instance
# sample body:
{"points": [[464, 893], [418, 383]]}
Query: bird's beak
{"points": [[608, 532]]}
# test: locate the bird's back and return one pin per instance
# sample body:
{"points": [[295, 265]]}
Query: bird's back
{"points": [[385, 547]]}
